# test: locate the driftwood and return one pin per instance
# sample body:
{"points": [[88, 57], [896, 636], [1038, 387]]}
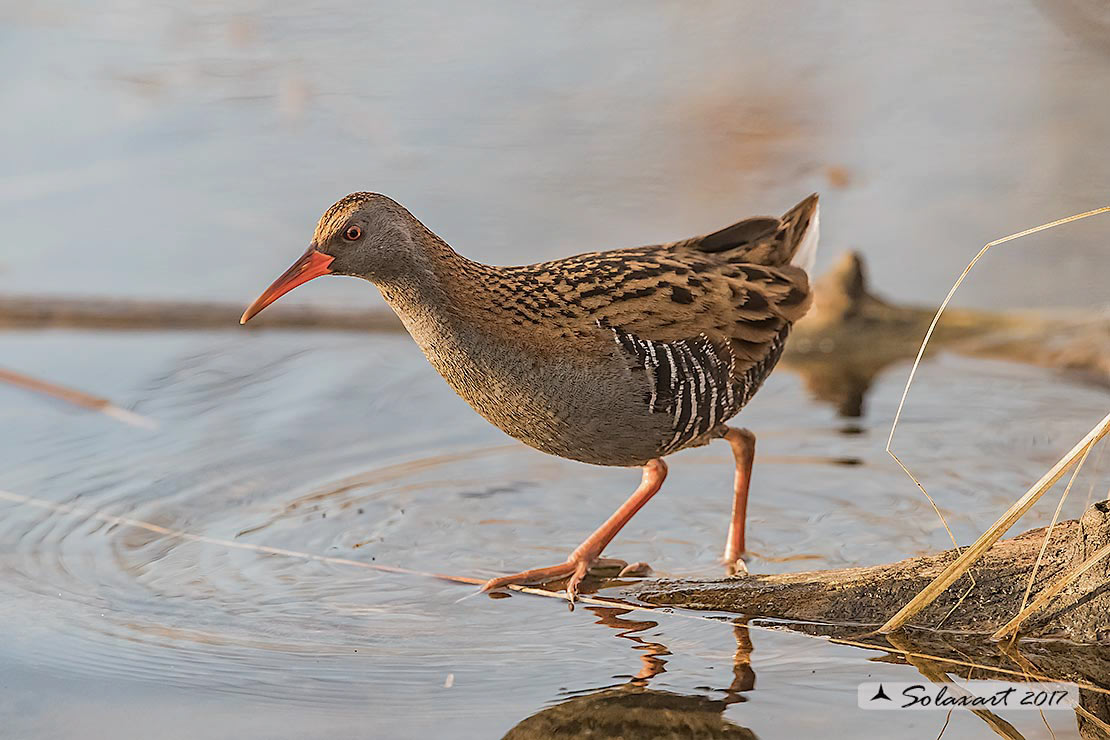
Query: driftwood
{"points": [[951, 637], [860, 599], [948, 641], [638, 709]]}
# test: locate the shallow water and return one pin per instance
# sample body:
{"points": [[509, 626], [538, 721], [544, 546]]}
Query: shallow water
{"points": [[355, 449], [185, 152]]}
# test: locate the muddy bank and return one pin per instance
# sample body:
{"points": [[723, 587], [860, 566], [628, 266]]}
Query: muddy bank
{"points": [[113, 314]]}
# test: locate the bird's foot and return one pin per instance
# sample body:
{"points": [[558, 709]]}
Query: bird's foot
{"points": [[735, 565], [574, 570]]}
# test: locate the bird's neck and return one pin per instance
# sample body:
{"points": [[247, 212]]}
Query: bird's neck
{"points": [[439, 300], [459, 313]]}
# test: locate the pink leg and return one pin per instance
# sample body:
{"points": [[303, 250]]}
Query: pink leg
{"points": [[743, 449], [589, 551]]}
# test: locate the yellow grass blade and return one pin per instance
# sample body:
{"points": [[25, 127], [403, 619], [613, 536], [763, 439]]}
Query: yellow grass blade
{"points": [[1097, 721], [1048, 533], [948, 299], [921, 353], [963, 563]]}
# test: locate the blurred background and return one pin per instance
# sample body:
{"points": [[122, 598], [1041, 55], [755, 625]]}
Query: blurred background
{"points": [[187, 149], [184, 151]]}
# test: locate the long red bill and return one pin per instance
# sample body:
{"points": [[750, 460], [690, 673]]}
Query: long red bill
{"points": [[312, 264]]}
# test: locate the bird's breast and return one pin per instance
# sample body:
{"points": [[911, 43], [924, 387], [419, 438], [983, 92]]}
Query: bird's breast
{"points": [[581, 406]]}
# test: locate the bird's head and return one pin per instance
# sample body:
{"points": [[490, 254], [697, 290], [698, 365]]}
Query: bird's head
{"points": [[365, 234]]}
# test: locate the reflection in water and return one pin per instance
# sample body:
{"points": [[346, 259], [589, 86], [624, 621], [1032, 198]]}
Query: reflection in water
{"points": [[633, 710], [1088, 665], [948, 657], [938, 673], [851, 336]]}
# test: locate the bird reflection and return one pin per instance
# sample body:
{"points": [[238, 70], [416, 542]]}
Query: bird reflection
{"points": [[633, 709]]}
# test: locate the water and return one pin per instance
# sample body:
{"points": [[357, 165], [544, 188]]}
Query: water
{"points": [[183, 151], [351, 447]]}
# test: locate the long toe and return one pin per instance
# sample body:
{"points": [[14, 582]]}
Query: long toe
{"points": [[574, 570], [531, 577], [581, 568]]}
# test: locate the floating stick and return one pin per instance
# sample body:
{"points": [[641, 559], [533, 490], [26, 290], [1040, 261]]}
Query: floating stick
{"points": [[77, 398]]}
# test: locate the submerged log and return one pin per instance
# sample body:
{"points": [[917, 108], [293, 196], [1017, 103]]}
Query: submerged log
{"points": [[860, 599]]}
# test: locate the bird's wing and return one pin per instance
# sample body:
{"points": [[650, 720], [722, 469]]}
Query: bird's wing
{"points": [[774, 242], [703, 321], [741, 287], [704, 339], [743, 305]]}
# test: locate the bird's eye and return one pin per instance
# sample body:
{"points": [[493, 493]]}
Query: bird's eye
{"points": [[353, 233]]}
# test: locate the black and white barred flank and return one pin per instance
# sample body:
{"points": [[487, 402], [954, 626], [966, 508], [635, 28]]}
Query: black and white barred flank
{"points": [[754, 376], [693, 380]]}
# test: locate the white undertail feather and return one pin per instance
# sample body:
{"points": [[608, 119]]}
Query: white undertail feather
{"points": [[806, 254]]}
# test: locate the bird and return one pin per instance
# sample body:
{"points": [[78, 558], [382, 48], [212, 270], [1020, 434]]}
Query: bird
{"points": [[615, 358]]}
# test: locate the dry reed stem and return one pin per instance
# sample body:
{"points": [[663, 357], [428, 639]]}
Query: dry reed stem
{"points": [[1098, 722], [1028, 667], [947, 719], [932, 328], [912, 375], [975, 551], [77, 398], [1048, 533]]}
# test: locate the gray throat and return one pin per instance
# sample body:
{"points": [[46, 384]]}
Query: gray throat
{"points": [[483, 367]]}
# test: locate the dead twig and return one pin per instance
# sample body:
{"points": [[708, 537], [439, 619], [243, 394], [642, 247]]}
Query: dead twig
{"points": [[1048, 533]]}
